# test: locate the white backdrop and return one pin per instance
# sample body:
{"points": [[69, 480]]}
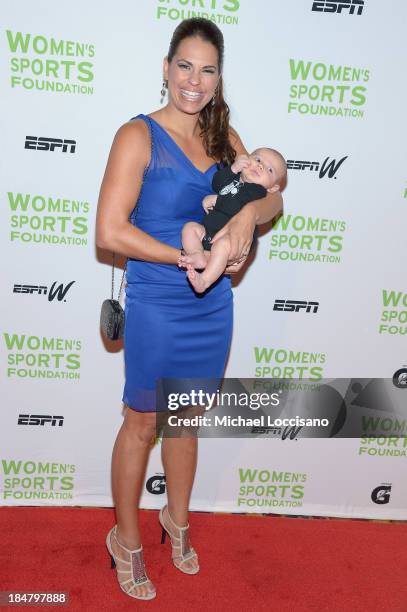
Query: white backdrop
{"points": [[304, 79]]}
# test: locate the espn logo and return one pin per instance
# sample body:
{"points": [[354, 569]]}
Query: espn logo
{"points": [[295, 306], [39, 419], [324, 6], [40, 289], [301, 165], [41, 143]]}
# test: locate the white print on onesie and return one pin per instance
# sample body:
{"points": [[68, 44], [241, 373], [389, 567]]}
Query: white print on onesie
{"points": [[233, 188]]}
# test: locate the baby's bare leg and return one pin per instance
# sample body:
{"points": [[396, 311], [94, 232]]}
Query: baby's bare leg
{"points": [[215, 266], [192, 234]]}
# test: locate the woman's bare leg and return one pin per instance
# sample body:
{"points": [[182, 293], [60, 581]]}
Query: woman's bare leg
{"points": [[129, 460], [179, 457]]}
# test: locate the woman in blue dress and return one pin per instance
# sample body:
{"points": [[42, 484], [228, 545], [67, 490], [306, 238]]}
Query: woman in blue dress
{"points": [[164, 162]]}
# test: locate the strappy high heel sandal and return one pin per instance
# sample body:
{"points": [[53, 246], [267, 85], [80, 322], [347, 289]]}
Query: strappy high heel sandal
{"points": [[182, 551], [135, 569]]}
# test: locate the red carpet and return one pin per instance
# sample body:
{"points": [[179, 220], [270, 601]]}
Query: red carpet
{"points": [[248, 562]]}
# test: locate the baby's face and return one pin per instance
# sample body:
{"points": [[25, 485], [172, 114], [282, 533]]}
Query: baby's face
{"points": [[264, 168]]}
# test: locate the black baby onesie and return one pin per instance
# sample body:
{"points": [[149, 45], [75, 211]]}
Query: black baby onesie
{"points": [[232, 196]]}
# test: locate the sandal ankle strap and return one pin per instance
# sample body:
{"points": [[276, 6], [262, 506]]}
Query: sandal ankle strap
{"points": [[138, 550], [175, 525]]}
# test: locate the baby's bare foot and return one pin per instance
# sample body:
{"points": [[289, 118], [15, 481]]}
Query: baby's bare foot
{"points": [[196, 259], [197, 280]]}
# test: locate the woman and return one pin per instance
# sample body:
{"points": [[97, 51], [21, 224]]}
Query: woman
{"points": [[165, 163]]}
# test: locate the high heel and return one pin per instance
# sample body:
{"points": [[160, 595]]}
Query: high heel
{"points": [[136, 570], [163, 535], [182, 551]]}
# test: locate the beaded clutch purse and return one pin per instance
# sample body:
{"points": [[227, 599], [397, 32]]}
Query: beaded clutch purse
{"points": [[112, 313]]}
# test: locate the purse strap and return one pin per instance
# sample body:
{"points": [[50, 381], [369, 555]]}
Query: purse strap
{"points": [[121, 283], [136, 207]]}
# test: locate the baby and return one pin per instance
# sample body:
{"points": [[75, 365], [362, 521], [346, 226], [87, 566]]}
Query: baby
{"points": [[248, 178]]}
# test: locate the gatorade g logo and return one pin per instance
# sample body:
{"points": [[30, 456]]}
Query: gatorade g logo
{"points": [[156, 484], [381, 494], [400, 378]]}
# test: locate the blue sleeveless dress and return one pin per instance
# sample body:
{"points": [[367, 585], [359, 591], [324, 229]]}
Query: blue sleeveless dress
{"points": [[171, 331]]}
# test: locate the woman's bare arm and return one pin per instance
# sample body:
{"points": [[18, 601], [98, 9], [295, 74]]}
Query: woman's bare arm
{"points": [[129, 156]]}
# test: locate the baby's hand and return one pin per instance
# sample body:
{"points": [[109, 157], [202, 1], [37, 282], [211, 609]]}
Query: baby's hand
{"points": [[209, 202], [241, 162]]}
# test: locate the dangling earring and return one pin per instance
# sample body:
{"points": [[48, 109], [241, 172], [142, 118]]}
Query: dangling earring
{"points": [[164, 90], [213, 101]]}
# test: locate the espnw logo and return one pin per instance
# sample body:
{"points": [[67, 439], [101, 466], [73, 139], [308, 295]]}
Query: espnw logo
{"points": [[55, 291], [290, 432], [330, 168], [295, 306], [381, 494], [156, 484], [325, 6], [42, 143], [40, 419]]}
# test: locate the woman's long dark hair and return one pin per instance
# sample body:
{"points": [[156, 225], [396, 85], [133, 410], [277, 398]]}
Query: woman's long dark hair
{"points": [[213, 119]]}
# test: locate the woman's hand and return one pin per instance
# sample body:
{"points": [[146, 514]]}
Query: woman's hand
{"points": [[240, 232], [235, 267]]}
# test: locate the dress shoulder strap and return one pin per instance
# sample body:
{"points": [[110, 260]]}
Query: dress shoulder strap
{"points": [[147, 120]]}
